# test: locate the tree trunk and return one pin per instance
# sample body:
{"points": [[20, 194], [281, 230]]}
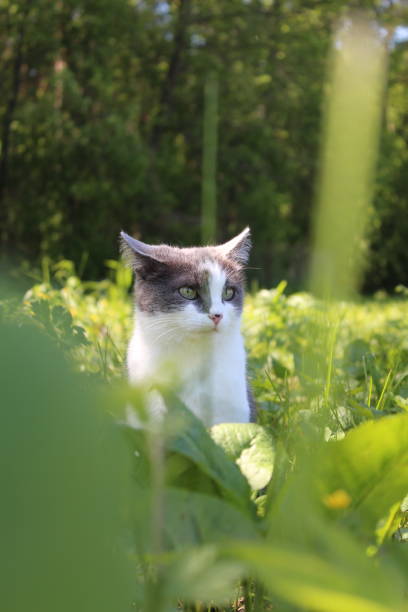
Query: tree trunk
{"points": [[7, 121], [209, 161]]}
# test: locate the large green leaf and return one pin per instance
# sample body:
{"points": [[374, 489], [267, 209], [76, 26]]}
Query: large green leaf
{"points": [[203, 457], [313, 560], [310, 581], [193, 518], [251, 447], [66, 489], [334, 560], [364, 474], [186, 456], [178, 519]]}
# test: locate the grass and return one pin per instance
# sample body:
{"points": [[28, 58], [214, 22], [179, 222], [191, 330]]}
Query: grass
{"points": [[304, 509], [352, 360], [359, 349]]}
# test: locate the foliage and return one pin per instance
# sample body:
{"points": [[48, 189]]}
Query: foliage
{"points": [[356, 352], [102, 118], [66, 485], [305, 509], [101, 308], [178, 512], [288, 340]]}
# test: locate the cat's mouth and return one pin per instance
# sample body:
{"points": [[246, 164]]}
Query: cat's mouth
{"points": [[216, 328], [208, 330]]}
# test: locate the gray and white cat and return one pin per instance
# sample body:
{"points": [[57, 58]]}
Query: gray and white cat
{"points": [[188, 306]]}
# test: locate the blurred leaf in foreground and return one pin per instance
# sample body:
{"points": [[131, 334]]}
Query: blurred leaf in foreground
{"points": [[370, 465], [351, 131], [65, 485]]}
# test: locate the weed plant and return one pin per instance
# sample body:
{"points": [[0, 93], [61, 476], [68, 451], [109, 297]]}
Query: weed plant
{"points": [[300, 511]]}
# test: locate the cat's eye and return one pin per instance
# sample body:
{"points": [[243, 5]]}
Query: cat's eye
{"points": [[188, 293], [228, 293]]}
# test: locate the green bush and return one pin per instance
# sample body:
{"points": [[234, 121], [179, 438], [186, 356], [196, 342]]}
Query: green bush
{"points": [[304, 510]]}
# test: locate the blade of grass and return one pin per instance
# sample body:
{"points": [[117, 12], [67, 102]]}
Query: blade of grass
{"points": [[386, 384]]}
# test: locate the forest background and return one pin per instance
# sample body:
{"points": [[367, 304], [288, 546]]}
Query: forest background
{"points": [[109, 121], [101, 119]]}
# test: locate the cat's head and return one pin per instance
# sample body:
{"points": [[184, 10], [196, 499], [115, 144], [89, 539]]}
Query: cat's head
{"points": [[199, 288]]}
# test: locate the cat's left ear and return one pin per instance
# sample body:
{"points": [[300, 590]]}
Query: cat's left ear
{"points": [[237, 248], [142, 257]]}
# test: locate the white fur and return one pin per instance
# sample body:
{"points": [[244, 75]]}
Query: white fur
{"points": [[216, 278], [207, 363]]}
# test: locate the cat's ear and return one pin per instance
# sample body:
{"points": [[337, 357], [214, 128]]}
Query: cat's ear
{"points": [[141, 257], [237, 248]]}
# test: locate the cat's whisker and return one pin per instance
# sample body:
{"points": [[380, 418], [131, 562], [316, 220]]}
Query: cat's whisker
{"points": [[158, 323], [167, 334], [157, 319], [160, 332]]}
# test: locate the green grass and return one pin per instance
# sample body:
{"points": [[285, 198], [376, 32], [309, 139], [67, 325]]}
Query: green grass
{"points": [[304, 510], [352, 357]]}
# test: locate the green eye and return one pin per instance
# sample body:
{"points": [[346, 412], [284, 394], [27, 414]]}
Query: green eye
{"points": [[228, 293], [188, 293]]}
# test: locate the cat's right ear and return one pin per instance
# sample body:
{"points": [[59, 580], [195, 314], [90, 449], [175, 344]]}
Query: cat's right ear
{"points": [[237, 248], [141, 257]]}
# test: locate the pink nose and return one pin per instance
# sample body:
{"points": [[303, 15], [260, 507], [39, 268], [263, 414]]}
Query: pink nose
{"points": [[216, 318]]}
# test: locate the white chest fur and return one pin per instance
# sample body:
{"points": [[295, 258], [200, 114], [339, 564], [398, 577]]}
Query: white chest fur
{"points": [[208, 369]]}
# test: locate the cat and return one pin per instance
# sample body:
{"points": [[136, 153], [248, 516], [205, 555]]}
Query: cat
{"points": [[188, 306]]}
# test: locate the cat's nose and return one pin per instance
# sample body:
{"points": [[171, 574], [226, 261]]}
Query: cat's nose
{"points": [[216, 318]]}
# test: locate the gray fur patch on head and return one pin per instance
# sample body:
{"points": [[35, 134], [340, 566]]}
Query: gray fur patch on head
{"points": [[161, 270]]}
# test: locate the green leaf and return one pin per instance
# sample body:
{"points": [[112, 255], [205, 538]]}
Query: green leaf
{"points": [[389, 525], [41, 311], [194, 518], [370, 465], [280, 370], [66, 485], [62, 317], [309, 581], [321, 565], [193, 442], [251, 447]]}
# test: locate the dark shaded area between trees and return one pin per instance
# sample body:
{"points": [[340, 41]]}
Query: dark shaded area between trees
{"points": [[101, 119]]}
